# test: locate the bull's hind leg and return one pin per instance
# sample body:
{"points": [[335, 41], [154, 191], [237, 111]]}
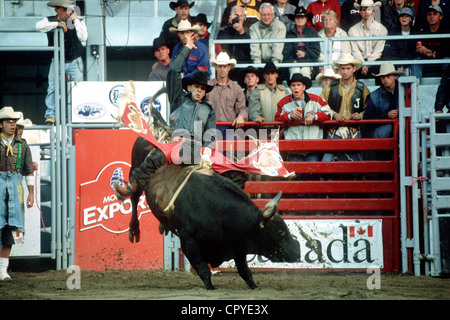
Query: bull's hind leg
{"points": [[244, 271], [193, 253], [134, 233]]}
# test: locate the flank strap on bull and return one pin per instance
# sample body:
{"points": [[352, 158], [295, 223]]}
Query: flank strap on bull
{"points": [[201, 168]]}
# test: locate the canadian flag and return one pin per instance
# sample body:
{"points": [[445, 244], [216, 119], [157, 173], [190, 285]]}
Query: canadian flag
{"points": [[353, 231]]}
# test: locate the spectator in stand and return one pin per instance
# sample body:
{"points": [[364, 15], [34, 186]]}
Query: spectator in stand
{"points": [[367, 50], [235, 30], [317, 8], [349, 14], [203, 34], [392, 12], [198, 59], [251, 11], [263, 100], [443, 92], [323, 79], [227, 97], [301, 52], [402, 49], [432, 48], [267, 28], [383, 102], [347, 98], [330, 29], [301, 105], [161, 52], [228, 101], [182, 9], [282, 9], [248, 80], [422, 9]]}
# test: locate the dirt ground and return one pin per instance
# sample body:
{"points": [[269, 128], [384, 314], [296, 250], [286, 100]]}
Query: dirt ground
{"points": [[180, 285]]}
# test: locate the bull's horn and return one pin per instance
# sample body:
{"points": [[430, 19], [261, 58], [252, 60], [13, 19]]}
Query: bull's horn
{"points": [[271, 207]]}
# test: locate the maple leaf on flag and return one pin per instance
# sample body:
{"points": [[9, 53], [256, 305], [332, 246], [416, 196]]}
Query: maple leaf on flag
{"points": [[361, 231]]}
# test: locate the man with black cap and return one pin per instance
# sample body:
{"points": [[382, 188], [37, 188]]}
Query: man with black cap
{"points": [[75, 32], [161, 52], [263, 100], [193, 118], [182, 9]]}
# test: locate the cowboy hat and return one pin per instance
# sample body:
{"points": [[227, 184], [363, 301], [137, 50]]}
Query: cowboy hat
{"points": [[270, 67], [61, 3], [300, 11], [239, 75], [347, 58], [201, 17], [366, 3], [329, 73], [7, 113], [387, 68], [158, 43], [23, 122], [298, 77], [223, 59], [198, 77], [184, 25], [182, 3]]}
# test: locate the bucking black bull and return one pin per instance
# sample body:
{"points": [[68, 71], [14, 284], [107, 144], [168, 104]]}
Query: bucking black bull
{"points": [[215, 220]]}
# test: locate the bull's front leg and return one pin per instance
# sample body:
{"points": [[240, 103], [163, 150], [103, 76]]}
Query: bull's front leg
{"points": [[134, 234], [244, 270]]}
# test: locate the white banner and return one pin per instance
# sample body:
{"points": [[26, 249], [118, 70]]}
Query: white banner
{"points": [[330, 244], [96, 102]]}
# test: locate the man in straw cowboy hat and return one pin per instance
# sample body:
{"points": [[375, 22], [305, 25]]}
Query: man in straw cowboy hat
{"points": [[383, 102], [182, 12], [15, 162], [227, 96], [347, 98], [367, 50], [75, 32], [198, 59], [190, 112]]}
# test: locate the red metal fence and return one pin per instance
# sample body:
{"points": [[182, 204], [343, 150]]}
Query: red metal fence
{"points": [[375, 195]]}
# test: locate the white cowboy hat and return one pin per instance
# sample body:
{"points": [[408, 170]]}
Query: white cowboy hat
{"points": [[24, 123], [8, 113], [366, 3], [387, 68], [347, 58], [61, 3], [185, 25], [329, 73], [223, 59]]}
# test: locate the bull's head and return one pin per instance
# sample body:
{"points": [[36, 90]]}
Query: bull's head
{"points": [[278, 243]]}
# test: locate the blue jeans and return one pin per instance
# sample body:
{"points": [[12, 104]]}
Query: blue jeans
{"points": [[11, 200], [74, 70]]}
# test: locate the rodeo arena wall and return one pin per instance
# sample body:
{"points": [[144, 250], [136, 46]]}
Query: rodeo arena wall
{"points": [[394, 216]]}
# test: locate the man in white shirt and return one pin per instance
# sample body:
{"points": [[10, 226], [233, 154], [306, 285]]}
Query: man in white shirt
{"points": [[75, 32], [367, 50]]}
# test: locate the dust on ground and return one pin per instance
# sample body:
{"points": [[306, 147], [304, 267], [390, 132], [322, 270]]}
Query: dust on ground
{"points": [[181, 285]]}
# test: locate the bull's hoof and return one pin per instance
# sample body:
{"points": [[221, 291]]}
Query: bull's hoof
{"points": [[134, 236]]}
